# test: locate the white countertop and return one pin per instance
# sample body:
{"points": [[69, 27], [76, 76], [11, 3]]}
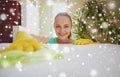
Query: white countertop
{"points": [[93, 60]]}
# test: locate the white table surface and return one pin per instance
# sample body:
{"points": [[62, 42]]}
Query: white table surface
{"points": [[94, 60]]}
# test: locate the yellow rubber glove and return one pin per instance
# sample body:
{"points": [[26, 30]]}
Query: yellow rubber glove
{"points": [[23, 42], [83, 42]]}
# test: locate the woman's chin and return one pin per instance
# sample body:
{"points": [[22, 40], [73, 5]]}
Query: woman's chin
{"points": [[63, 38]]}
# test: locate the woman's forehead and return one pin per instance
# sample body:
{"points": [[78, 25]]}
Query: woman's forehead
{"points": [[62, 19]]}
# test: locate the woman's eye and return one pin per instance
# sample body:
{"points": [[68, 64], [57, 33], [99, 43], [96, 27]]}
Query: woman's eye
{"points": [[57, 26], [66, 26]]}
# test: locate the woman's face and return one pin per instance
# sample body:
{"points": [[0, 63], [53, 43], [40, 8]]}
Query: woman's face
{"points": [[62, 27]]}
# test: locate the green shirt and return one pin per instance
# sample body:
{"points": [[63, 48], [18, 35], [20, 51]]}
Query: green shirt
{"points": [[53, 40]]}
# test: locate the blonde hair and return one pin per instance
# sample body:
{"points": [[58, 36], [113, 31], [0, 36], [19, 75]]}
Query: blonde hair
{"points": [[67, 15]]}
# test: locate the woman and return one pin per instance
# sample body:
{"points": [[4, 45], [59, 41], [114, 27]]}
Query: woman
{"points": [[63, 27]]}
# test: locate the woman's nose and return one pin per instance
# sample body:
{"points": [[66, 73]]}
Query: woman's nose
{"points": [[62, 29]]}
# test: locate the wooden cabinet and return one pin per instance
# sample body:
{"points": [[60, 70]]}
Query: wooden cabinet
{"points": [[10, 15]]}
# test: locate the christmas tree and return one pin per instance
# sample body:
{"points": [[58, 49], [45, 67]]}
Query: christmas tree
{"points": [[96, 22]]}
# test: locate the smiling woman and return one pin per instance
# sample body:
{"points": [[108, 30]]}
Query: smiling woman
{"points": [[63, 27]]}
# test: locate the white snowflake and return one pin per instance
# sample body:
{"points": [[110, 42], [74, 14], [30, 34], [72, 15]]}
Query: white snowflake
{"points": [[93, 73], [6, 1], [101, 27], [94, 30], [104, 39], [113, 13], [66, 50], [50, 32], [62, 74], [93, 17], [3, 8], [104, 14], [11, 35], [100, 15], [82, 63], [13, 4], [72, 48], [118, 9], [93, 37], [50, 63], [100, 46], [7, 15], [104, 25], [89, 27], [6, 26], [3, 16], [70, 5], [108, 68], [90, 55], [84, 22], [88, 17], [5, 56], [75, 22], [11, 10], [69, 59], [16, 22], [13, 14], [49, 76], [96, 7], [10, 18], [21, 3], [77, 55], [1, 34], [110, 32], [3, 47], [18, 65], [111, 5], [104, 5]]}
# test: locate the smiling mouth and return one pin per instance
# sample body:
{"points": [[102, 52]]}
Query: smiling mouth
{"points": [[62, 35]]}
